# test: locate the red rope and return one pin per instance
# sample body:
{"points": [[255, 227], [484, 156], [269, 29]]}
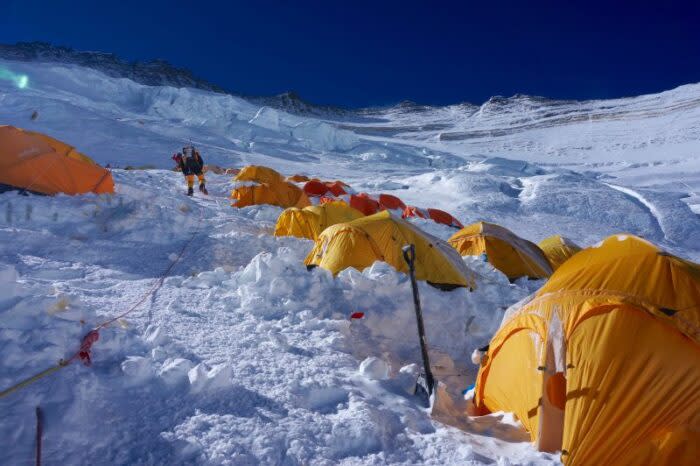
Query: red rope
{"points": [[93, 335]]}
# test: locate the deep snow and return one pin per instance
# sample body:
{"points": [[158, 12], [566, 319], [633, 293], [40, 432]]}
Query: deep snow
{"points": [[245, 357]]}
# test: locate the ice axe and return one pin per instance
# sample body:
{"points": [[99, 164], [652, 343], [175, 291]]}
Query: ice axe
{"points": [[425, 385]]}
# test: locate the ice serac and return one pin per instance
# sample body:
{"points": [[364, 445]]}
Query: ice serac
{"points": [[267, 118]]}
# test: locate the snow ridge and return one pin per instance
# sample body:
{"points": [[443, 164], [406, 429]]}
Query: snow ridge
{"points": [[150, 73]]}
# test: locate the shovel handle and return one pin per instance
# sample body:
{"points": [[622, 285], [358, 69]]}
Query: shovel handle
{"points": [[409, 255]]}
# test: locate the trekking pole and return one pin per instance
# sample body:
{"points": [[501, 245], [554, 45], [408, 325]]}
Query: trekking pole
{"points": [[409, 255]]}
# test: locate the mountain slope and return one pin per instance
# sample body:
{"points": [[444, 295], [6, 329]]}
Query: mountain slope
{"points": [[151, 73], [647, 143], [242, 356]]}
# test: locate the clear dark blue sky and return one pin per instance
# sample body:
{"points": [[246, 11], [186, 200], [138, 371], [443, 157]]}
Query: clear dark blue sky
{"points": [[358, 52]]}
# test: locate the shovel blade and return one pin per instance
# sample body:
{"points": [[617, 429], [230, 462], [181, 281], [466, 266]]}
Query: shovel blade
{"points": [[423, 392]]}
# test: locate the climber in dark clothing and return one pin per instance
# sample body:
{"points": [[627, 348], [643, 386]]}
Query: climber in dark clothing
{"points": [[191, 163]]}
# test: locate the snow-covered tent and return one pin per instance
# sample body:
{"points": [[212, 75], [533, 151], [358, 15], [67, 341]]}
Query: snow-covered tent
{"points": [[603, 363]]}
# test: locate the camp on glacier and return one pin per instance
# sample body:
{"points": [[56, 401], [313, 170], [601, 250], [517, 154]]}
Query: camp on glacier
{"points": [[272, 321]]}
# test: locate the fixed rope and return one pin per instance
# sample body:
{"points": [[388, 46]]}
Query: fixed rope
{"points": [[83, 353]]}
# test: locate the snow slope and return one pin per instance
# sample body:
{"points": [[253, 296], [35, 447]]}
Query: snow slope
{"points": [[512, 170], [243, 356], [649, 141]]}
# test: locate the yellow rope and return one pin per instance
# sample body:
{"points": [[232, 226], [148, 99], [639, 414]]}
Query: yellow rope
{"points": [[33, 378]]}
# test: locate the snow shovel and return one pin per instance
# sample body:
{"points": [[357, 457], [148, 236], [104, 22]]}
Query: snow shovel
{"points": [[425, 385]]}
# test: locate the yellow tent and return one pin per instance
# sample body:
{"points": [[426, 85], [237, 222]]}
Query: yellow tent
{"points": [[381, 237], [263, 185], [558, 249], [310, 221], [259, 174], [281, 194], [512, 255], [603, 363]]}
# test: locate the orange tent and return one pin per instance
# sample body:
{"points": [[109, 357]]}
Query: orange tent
{"points": [[389, 202], [318, 188], [338, 188], [436, 215], [315, 188], [440, 216], [38, 163], [364, 203], [413, 211]]}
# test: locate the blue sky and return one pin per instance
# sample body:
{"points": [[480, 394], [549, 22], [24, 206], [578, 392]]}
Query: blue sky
{"points": [[359, 53]]}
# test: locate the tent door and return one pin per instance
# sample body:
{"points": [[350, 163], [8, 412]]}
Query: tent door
{"points": [[553, 399]]}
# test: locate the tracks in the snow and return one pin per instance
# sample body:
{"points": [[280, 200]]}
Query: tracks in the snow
{"points": [[641, 200]]}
